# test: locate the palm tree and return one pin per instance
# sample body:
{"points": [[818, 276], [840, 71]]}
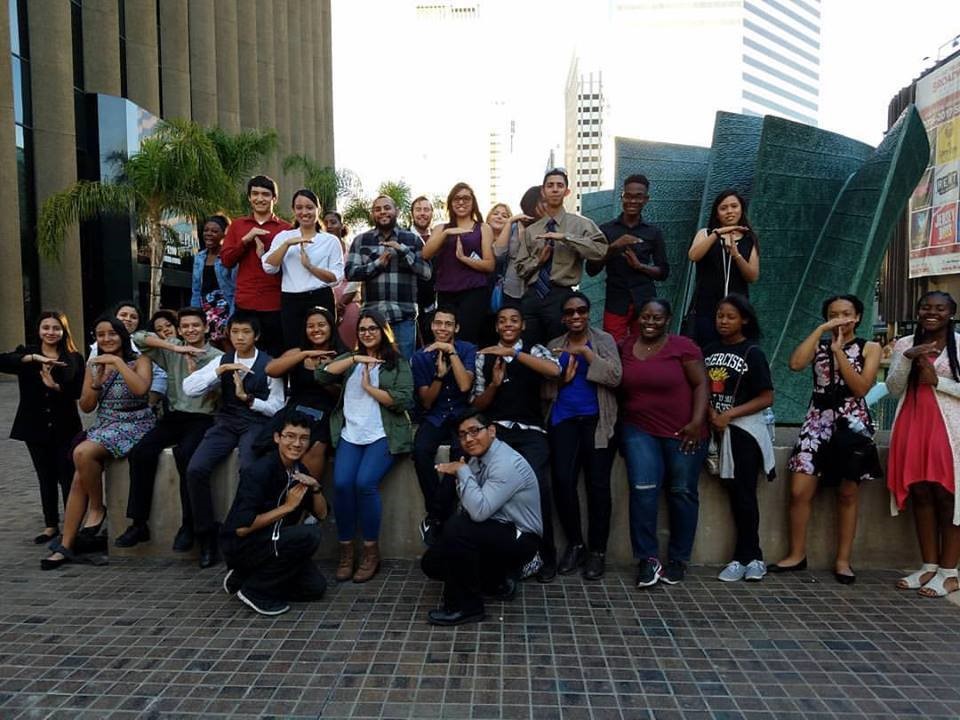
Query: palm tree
{"points": [[357, 210], [327, 182], [178, 171], [240, 155]]}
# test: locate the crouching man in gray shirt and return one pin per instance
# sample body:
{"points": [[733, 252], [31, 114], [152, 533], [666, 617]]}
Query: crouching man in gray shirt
{"points": [[496, 533]]}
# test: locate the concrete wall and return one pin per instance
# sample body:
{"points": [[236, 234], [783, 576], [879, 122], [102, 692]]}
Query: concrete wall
{"points": [[882, 542]]}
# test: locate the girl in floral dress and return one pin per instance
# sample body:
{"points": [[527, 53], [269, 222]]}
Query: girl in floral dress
{"points": [[924, 460], [115, 385], [844, 370]]}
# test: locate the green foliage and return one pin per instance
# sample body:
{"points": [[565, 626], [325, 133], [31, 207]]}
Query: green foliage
{"points": [[239, 156], [358, 208], [328, 183]]}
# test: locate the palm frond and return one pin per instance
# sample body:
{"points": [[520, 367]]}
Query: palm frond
{"points": [[357, 212], [82, 201]]}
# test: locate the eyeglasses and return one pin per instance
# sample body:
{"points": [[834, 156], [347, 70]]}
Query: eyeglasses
{"points": [[463, 198], [368, 330], [579, 310], [471, 432], [294, 439]]}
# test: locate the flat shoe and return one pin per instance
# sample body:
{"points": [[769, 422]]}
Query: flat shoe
{"points": [[845, 579], [775, 568], [43, 538], [94, 530]]}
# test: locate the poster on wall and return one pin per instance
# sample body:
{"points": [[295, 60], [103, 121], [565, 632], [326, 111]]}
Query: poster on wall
{"points": [[934, 229]]}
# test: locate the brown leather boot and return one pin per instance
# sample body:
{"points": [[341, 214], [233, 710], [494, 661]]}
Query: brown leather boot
{"points": [[345, 566], [369, 563]]}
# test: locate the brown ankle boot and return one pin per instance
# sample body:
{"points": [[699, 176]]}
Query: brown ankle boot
{"points": [[345, 567], [369, 563]]}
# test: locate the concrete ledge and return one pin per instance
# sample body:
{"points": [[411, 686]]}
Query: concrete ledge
{"points": [[882, 542]]}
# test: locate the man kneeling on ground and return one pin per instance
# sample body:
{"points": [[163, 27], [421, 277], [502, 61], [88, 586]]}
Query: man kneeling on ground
{"points": [[482, 549], [268, 552]]}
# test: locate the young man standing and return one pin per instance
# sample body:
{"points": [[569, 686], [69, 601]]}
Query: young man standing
{"points": [[550, 258], [268, 551], [248, 399], [247, 239], [183, 425], [421, 211], [443, 377], [636, 257], [482, 548], [388, 262], [507, 389]]}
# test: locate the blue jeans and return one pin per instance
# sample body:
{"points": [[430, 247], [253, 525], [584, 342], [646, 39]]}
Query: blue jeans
{"points": [[649, 459], [405, 333], [357, 472]]}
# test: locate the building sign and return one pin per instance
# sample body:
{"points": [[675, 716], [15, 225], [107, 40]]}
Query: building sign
{"points": [[934, 231]]}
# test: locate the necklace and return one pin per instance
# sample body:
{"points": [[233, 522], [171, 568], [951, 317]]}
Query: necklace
{"points": [[643, 351]]}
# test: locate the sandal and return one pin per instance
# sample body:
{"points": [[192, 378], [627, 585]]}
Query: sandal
{"points": [[912, 581], [936, 588]]}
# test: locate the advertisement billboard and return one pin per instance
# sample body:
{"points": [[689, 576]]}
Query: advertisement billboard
{"points": [[934, 230]]}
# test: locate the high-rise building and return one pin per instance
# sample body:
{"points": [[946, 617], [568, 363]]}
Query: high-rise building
{"points": [[584, 132], [80, 80]]}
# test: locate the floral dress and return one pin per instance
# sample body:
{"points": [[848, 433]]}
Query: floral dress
{"points": [[807, 457], [122, 417]]}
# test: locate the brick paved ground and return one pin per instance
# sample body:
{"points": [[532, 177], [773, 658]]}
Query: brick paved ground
{"points": [[159, 640]]}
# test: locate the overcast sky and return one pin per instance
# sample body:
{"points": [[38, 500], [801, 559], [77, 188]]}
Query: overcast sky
{"points": [[416, 100]]}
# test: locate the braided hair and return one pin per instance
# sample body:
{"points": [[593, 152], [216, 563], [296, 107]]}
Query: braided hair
{"points": [[919, 335]]}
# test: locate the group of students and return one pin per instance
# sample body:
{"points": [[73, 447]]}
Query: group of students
{"points": [[472, 334]]}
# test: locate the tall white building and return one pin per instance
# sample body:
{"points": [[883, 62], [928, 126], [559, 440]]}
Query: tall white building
{"points": [[583, 145]]}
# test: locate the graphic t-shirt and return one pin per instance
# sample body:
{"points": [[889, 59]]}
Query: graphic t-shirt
{"points": [[736, 373]]}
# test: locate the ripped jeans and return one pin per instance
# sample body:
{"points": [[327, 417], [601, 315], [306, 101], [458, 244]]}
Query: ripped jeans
{"points": [[649, 460]]}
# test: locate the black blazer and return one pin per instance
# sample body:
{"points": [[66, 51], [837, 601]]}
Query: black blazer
{"points": [[45, 415]]}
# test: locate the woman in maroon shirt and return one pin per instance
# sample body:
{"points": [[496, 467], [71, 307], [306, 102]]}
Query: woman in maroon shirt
{"points": [[663, 410]]}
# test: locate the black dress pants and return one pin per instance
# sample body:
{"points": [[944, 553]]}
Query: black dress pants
{"points": [[742, 489], [535, 448], [572, 450], [183, 431], [294, 308], [541, 315], [439, 491], [475, 557], [472, 307], [54, 466], [271, 331], [281, 570]]}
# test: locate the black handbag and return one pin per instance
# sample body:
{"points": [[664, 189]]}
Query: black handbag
{"points": [[849, 454]]}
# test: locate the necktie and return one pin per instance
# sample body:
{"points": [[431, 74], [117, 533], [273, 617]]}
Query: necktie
{"points": [[541, 286]]}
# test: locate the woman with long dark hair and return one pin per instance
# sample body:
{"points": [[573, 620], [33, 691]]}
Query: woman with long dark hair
{"points": [[727, 257], [49, 372], [462, 254], [924, 459], [115, 384], [369, 428], [740, 390], [311, 262], [214, 285], [318, 345], [844, 370]]}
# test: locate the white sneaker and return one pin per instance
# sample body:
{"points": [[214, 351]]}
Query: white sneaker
{"points": [[756, 569], [732, 572]]}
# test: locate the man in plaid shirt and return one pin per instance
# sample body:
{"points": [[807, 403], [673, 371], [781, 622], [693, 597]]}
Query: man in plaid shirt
{"points": [[388, 262]]}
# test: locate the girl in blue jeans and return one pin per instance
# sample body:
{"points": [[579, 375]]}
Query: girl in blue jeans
{"points": [[369, 428], [663, 437]]}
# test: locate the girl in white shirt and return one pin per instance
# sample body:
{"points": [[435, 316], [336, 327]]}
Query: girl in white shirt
{"points": [[311, 262]]}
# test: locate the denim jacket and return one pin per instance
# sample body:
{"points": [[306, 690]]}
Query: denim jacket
{"points": [[226, 278]]}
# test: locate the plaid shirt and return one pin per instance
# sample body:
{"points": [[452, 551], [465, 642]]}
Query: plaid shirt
{"points": [[391, 288]]}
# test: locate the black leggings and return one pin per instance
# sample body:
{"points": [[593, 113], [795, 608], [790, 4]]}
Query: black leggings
{"points": [[742, 490], [54, 467]]}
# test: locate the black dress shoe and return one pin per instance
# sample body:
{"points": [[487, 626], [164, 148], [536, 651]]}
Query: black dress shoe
{"points": [[183, 542], [133, 535], [454, 617], [93, 530], [572, 559], [504, 591], [209, 550], [595, 567], [845, 579], [548, 572], [775, 568]]}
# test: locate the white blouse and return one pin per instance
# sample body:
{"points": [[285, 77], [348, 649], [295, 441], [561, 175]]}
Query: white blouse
{"points": [[324, 252]]}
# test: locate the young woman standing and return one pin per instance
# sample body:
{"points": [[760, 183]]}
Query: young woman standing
{"points": [[844, 370], [50, 375], [924, 460], [214, 285]]}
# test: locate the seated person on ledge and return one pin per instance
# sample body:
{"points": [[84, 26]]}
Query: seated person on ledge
{"points": [[268, 551], [481, 549]]}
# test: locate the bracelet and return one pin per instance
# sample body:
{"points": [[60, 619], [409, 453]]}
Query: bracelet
{"points": [[453, 354]]}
